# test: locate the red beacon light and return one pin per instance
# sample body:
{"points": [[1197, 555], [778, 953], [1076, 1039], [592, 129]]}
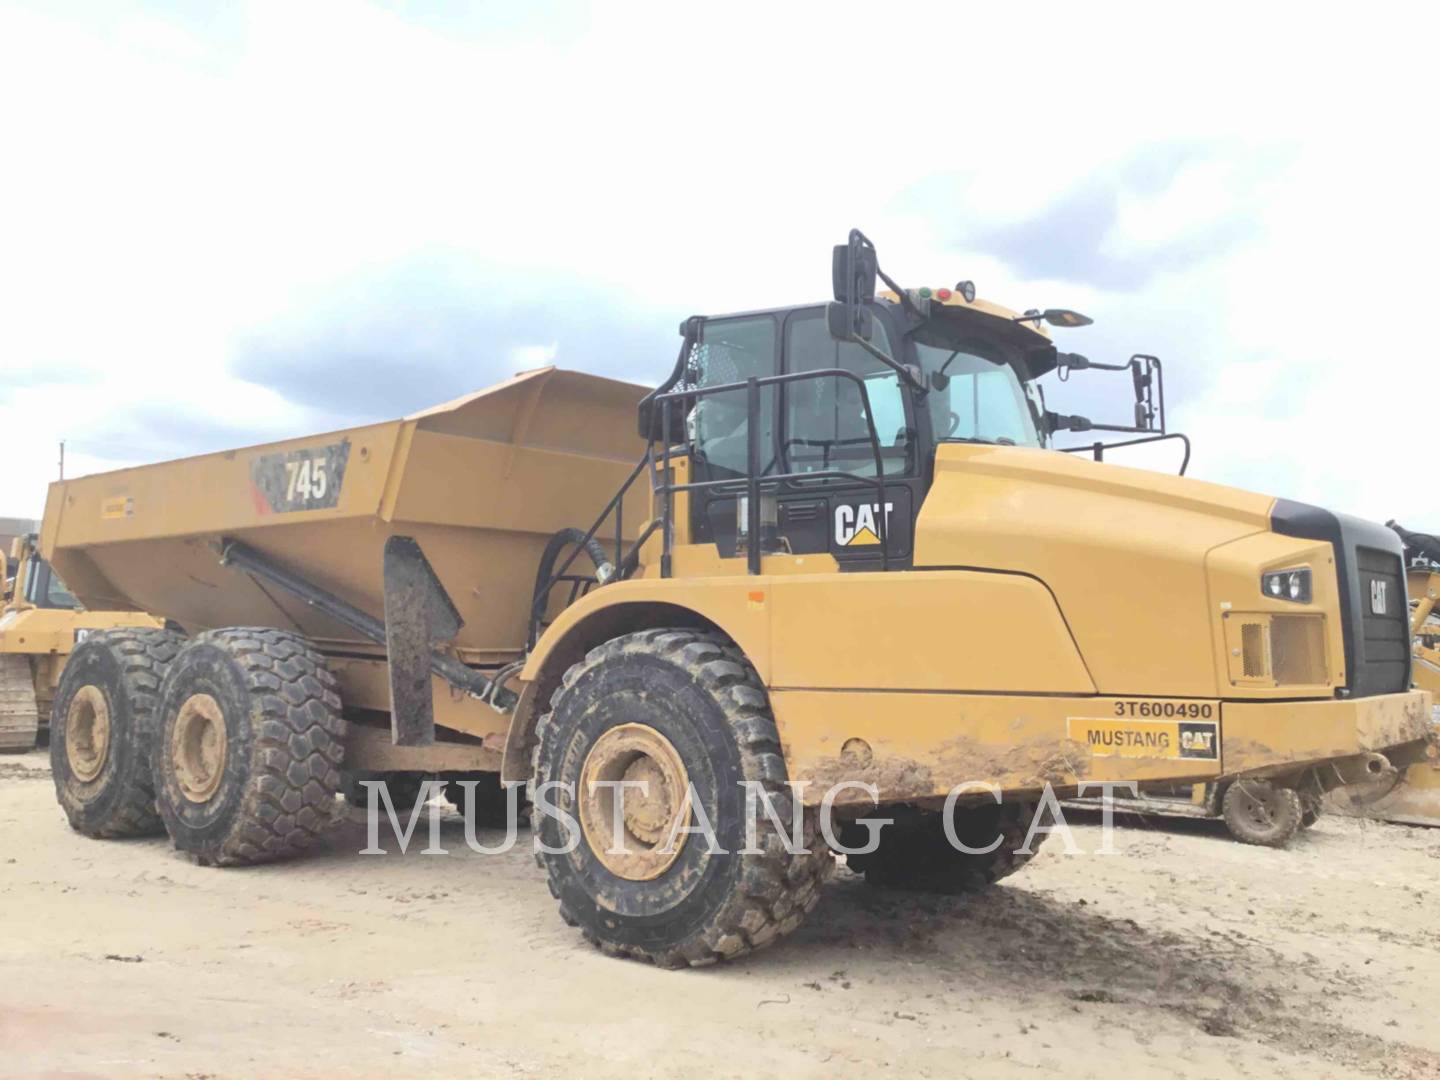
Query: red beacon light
{"points": [[944, 294]]}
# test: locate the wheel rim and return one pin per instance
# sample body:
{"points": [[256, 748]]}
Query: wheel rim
{"points": [[198, 747], [634, 753], [1260, 809], [87, 733]]}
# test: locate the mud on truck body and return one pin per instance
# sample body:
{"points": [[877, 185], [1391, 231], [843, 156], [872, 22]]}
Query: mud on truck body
{"points": [[838, 548]]}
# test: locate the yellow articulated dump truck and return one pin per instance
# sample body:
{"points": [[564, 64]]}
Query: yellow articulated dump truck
{"points": [[40, 623], [825, 588]]}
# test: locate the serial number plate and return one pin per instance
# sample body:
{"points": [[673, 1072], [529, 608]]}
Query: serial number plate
{"points": [[1151, 729], [1180, 710]]}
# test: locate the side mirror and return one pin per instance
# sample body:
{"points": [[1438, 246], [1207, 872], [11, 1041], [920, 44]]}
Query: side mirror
{"points": [[1055, 317], [853, 270], [1144, 373], [847, 323]]}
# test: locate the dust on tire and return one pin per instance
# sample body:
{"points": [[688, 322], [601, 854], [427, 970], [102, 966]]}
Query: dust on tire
{"points": [[284, 736], [122, 670], [700, 691]]}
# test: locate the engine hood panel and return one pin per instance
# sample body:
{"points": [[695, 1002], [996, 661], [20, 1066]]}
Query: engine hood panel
{"points": [[1122, 550]]}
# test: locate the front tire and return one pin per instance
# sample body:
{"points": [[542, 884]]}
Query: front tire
{"points": [[1262, 813], [679, 710], [248, 750], [102, 725]]}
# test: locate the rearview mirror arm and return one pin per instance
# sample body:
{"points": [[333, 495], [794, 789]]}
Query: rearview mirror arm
{"points": [[905, 373], [1146, 375]]}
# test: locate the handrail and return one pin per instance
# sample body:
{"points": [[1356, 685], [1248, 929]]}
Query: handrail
{"points": [[753, 480], [752, 483], [541, 600], [1099, 448]]}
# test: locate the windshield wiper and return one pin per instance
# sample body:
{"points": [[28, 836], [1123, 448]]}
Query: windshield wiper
{"points": [[939, 380], [999, 440]]}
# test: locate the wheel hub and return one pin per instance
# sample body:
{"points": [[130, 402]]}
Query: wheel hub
{"points": [[87, 733], [1259, 806], [198, 747], [644, 790]]}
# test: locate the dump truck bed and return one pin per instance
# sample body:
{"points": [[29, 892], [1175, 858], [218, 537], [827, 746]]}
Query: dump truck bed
{"points": [[481, 483]]}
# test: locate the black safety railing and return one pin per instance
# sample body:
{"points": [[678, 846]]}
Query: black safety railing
{"points": [[752, 485], [1097, 449]]}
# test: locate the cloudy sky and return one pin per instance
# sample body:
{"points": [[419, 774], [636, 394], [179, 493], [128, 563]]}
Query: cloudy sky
{"points": [[225, 223]]}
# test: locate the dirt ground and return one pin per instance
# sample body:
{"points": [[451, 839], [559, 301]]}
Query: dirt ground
{"points": [[1183, 955]]}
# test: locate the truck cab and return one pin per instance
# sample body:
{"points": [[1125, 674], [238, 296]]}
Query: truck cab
{"points": [[971, 379]]}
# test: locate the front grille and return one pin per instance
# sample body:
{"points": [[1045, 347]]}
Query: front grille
{"points": [[1383, 645], [1367, 565], [1277, 650], [1252, 649], [1297, 649]]}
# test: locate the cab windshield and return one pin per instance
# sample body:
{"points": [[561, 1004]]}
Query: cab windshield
{"points": [[980, 398]]}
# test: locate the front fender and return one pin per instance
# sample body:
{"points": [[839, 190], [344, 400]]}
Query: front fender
{"points": [[737, 610]]}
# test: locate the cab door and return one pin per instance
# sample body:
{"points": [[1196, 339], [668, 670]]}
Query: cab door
{"points": [[823, 428], [807, 426], [729, 350]]}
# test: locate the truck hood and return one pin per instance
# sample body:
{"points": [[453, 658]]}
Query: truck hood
{"points": [[1122, 550]]}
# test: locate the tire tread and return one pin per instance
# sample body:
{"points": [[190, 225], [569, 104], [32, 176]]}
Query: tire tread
{"points": [[298, 749], [776, 889]]}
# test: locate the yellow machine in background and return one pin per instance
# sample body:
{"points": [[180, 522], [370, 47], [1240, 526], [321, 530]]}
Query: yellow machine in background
{"points": [[12, 529], [40, 623], [838, 549]]}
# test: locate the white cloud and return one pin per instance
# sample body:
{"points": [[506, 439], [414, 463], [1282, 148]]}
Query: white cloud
{"points": [[174, 190]]}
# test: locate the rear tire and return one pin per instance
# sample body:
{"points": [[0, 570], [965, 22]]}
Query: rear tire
{"points": [[680, 709], [917, 855], [1262, 813], [248, 749], [102, 726]]}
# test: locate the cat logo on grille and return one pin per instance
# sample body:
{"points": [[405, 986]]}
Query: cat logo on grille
{"points": [[1378, 599]]}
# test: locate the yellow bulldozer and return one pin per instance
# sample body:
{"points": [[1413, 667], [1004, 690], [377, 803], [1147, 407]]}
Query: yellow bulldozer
{"points": [[827, 587], [40, 623]]}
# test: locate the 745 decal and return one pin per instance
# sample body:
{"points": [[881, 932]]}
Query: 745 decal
{"points": [[306, 479]]}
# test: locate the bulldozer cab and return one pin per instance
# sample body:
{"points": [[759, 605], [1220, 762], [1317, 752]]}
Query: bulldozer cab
{"points": [[35, 582]]}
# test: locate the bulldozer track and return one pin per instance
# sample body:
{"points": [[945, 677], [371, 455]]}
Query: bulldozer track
{"points": [[19, 714]]}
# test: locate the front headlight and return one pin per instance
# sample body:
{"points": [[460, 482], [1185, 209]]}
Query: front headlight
{"points": [[1287, 585]]}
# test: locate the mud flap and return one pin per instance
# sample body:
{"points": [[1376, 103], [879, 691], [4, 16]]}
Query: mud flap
{"points": [[419, 616]]}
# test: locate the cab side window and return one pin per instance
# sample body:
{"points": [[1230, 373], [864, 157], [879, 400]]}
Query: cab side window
{"points": [[825, 421], [43, 586], [729, 351]]}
